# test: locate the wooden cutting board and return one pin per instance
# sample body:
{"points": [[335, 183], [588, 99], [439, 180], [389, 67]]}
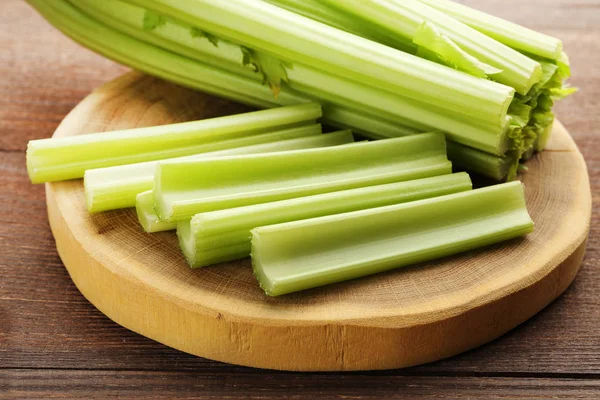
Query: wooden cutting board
{"points": [[406, 317]]}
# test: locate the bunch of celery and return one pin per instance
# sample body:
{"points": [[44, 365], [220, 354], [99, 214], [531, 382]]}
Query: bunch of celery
{"points": [[383, 68]]}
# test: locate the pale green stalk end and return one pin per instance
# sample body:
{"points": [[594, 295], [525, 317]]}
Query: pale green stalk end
{"points": [[147, 217]]}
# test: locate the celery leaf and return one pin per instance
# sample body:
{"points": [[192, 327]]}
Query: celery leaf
{"points": [[272, 69], [432, 43], [199, 33]]}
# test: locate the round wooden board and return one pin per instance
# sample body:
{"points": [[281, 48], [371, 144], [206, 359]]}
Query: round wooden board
{"points": [[397, 319]]}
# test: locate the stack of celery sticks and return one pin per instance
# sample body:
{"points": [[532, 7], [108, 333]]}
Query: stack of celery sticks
{"points": [[310, 208], [383, 68]]}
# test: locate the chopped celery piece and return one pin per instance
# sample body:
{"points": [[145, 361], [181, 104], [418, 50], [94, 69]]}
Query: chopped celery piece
{"points": [[494, 167], [183, 189], [296, 39], [406, 17], [144, 207], [300, 255], [230, 228], [69, 157], [116, 187], [511, 34]]}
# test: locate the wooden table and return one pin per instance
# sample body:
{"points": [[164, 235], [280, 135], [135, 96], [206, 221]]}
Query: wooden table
{"points": [[53, 343]]}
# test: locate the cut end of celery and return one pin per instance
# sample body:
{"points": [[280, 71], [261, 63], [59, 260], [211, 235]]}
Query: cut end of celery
{"points": [[187, 242], [147, 217], [257, 266]]}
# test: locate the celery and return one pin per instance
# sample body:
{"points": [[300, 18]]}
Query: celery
{"points": [[319, 11], [117, 187], [305, 254], [229, 229], [291, 37], [183, 189], [144, 207], [237, 86], [329, 89], [494, 167], [513, 35], [69, 157], [407, 17]]}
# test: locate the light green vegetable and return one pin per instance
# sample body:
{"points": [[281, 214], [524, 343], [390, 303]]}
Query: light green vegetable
{"points": [[295, 39], [328, 88], [511, 34], [116, 187], [144, 207], [167, 38], [305, 254], [406, 17], [218, 232], [69, 157], [144, 202], [183, 189]]}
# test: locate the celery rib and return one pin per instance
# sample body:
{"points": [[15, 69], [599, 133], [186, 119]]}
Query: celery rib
{"points": [[230, 228], [116, 187], [405, 17], [294, 38], [69, 157], [183, 189], [511, 34], [305, 254], [319, 11]]}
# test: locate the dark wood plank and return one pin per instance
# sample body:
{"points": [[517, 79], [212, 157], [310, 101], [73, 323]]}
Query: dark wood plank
{"points": [[49, 384], [45, 75], [45, 323]]}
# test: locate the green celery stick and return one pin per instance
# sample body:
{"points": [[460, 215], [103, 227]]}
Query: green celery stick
{"points": [[69, 157], [144, 207], [116, 187], [305, 254], [230, 228], [183, 189]]}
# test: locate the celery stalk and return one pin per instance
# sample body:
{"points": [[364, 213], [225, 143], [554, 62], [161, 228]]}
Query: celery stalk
{"points": [[293, 38], [406, 17], [230, 228], [201, 76], [511, 34], [329, 89], [319, 11], [117, 187], [144, 207], [470, 159], [305, 254], [69, 157], [183, 189]]}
